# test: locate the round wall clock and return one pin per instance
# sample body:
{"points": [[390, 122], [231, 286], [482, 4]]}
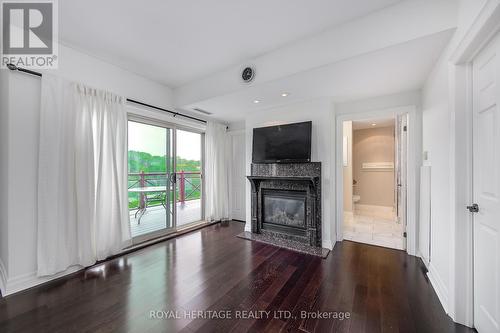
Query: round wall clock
{"points": [[248, 74]]}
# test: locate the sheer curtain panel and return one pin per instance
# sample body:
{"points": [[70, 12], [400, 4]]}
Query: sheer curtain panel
{"points": [[82, 178], [216, 172]]}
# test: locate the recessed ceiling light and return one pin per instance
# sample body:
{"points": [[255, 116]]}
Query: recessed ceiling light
{"points": [[256, 101], [374, 124], [284, 94]]}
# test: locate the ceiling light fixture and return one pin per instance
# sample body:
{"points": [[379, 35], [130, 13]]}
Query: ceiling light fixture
{"points": [[374, 124], [284, 94], [256, 101]]}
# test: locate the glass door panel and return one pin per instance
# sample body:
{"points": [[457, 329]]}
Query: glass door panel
{"points": [[189, 180], [151, 171]]}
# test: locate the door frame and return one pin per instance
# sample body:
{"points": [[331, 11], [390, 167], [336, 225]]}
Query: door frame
{"points": [[412, 167], [460, 305], [132, 116]]}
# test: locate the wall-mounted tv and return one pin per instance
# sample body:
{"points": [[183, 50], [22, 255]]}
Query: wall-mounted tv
{"points": [[289, 143]]}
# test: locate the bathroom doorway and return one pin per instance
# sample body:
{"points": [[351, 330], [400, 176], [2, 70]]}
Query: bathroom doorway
{"points": [[374, 152]]}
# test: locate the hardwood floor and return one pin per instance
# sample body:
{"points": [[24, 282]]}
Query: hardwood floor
{"points": [[211, 269]]}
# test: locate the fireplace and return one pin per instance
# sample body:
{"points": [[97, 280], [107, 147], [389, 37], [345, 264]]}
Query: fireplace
{"points": [[284, 211], [286, 203]]}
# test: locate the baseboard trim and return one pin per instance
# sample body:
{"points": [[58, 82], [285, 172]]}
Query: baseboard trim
{"points": [[421, 256], [439, 287], [327, 244], [3, 278], [27, 281]]}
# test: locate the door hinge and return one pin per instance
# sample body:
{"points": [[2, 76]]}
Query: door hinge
{"points": [[404, 234], [405, 128]]}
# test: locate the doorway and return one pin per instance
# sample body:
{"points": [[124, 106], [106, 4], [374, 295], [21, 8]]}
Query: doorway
{"points": [[165, 178], [374, 164]]}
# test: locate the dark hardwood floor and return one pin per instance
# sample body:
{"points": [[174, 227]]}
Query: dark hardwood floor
{"points": [[211, 269]]}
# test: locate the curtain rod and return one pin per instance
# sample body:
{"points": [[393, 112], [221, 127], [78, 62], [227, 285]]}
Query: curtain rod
{"points": [[13, 67]]}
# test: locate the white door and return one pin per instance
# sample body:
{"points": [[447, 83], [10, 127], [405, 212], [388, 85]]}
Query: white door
{"points": [[237, 191], [486, 165], [401, 136]]}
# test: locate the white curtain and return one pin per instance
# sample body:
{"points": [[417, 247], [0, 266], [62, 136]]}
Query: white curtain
{"points": [[216, 172], [82, 180]]}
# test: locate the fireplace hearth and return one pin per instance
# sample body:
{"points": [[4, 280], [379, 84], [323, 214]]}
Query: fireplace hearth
{"points": [[286, 205]]}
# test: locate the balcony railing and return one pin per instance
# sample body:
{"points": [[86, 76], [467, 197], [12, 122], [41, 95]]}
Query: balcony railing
{"points": [[187, 187]]}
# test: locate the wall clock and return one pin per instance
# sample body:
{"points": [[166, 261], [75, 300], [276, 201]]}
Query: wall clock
{"points": [[248, 74]]}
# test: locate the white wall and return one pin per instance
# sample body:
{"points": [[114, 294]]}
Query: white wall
{"points": [[440, 140], [78, 66], [4, 195], [380, 103], [436, 124], [20, 144], [237, 179], [320, 112]]}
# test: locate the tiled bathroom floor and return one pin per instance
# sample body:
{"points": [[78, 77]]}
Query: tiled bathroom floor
{"points": [[374, 230]]}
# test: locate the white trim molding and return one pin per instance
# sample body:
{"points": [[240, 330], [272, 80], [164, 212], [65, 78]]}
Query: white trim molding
{"points": [[439, 287], [460, 300], [327, 244], [414, 148], [30, 280], [482, 30], [3, 278]]}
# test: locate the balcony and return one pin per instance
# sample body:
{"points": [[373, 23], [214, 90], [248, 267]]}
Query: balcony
{"points": [[151, 200]]}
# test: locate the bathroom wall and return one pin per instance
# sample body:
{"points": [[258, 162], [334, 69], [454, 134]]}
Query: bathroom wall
{"points": [[347, 156], [376, 187]]}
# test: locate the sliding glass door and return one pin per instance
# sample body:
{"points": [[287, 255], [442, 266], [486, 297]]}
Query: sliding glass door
{"points": [[189, 184], [164, 180]]}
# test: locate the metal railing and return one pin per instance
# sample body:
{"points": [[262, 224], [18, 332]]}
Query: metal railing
{"points": [[188, 186]]}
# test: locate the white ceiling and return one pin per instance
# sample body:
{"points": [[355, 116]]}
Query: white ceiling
{"points": [[372, 123], [400, 68], [175, 42]]}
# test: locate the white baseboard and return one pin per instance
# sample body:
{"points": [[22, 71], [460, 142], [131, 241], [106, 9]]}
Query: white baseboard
{"points": [[327, 244], [29, 280], [421, 256], [3, 278], [439, 287]]}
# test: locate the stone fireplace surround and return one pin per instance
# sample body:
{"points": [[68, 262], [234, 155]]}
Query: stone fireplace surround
{"points": [[291, 180]]}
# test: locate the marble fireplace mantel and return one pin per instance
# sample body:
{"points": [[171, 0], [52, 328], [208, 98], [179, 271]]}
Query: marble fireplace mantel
{"points": [[302, 178], [312, 180]]}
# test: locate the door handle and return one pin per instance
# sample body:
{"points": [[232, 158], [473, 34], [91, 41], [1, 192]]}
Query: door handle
{"points": [[474, 208]]}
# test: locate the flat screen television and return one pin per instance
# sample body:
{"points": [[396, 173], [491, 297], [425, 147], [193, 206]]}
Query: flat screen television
{"points": [[289, 143]]}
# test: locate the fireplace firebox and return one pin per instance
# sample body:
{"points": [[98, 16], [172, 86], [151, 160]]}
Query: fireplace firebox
{"points": [[284, 211]]}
